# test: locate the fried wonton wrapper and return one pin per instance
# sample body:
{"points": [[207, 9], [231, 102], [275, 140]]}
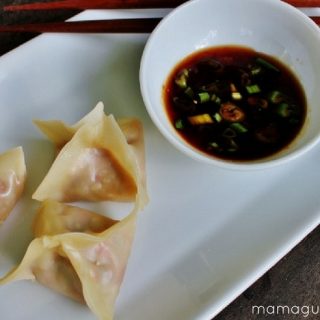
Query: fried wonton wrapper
{"points": [[97, 164], [85, 267], [55, 218], [12, 180], [109, 156]]}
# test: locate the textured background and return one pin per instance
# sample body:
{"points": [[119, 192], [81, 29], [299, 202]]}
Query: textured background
{"points": [[294, 281]]}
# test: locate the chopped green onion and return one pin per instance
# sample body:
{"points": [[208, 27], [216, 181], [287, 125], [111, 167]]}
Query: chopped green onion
{"points": [[236, 95], [214, 145], [276, 97], [267, 65], [234, 92], [255, 70], [283, 110], [204, 97], [179, 124], [215, 99], [189, 92], [253, 89], [238, 127], [217, 117], [233, 146], [181, 79], [229, 133]]}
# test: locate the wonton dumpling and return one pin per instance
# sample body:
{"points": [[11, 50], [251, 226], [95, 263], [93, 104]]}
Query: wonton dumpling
{"points": [[60, 133], [82, 266], [45, 262], [133, 131], [55, 218], [12, 180], [96, 164]]}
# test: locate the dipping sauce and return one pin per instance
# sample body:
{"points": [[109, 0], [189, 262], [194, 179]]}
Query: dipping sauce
{"points": [[235, 103]]}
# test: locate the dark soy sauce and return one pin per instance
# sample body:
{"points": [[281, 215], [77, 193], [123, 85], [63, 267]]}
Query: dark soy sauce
{"points": [[235, 103]]}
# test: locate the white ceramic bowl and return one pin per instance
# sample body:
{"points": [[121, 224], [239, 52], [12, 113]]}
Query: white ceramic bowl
{"points": [[269, 26]]}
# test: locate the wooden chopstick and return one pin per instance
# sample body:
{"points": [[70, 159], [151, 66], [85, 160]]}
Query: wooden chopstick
{"points": [[123, 4], [143, 25], [316, 20], [304, 3], [95, 4]]}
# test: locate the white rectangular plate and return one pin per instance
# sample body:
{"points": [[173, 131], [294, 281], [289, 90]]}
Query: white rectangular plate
{"points": [[207, 233]]}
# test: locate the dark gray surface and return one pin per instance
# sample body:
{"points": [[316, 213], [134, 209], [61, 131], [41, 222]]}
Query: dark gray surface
{"points": [[293, 282]]}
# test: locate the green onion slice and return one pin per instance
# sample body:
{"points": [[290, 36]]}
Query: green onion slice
{"points": [[181, 79], [214, 145], [204, 97], [233, 147], [236, 95], [216, 99], [238, 127], [284, 110], [256, 70], [217, 117], [189, 92], [276, 97], [266, 64], [179, 124], [229, 133], [253, 89]]}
